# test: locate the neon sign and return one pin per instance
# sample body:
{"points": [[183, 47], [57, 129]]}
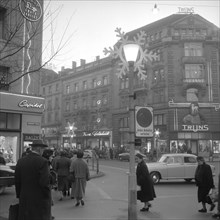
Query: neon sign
{"points": [[26, 104], [195, 128]]}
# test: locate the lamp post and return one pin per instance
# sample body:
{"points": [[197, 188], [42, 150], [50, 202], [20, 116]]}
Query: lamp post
{"points": [[131, 52], [131, 56]]}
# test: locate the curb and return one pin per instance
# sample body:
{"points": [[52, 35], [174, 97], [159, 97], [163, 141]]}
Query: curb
{"points": [[99, 174]]}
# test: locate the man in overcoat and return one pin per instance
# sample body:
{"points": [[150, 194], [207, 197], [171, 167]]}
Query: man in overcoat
{"points": [[32, 185]]}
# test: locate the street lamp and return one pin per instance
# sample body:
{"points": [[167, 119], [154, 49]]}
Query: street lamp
{"points": [[131, 52], [131, 56]]}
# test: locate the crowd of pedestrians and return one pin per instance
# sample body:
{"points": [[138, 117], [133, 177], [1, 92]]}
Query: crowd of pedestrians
{"points": [[41, 170]]}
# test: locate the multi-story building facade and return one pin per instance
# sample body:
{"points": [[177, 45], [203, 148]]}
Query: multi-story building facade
{"points": [[182, 86], [86, 105], [21, 107]]}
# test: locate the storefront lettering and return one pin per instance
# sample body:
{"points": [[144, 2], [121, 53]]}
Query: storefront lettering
{"points": [[96, 133], [26, 104], [195, 128]]}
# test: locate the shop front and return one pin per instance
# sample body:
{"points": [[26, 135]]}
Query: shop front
{"points": [[20, 123], [196, 130]]}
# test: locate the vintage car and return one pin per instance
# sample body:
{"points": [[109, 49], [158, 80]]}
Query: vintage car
{"points": [[6, 177], [174, 166], [126, 156]]}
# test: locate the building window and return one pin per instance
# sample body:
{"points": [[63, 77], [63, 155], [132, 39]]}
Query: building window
{"points": [[105, 80], [84, 103], [192, 95], [56, 117], [57, 87], [84, 85], [49, 117], [50, 89], [76, 86], [123, 122], [56, 102], [94, 83], [160, 119], [75, 105], [104, 99], [94, 103], [49, 105], [67, 106], [4, 74], [193, 49], [67, 89], [2, 22], [43, 90], [124, 83], [194, 71]]}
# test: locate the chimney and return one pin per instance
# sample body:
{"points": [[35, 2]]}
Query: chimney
{"points": [[62, 68], [73, 64], [82, 62], [97, 58]]}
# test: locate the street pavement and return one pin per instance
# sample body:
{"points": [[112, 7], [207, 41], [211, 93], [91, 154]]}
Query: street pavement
{"points": [[100, 205]]}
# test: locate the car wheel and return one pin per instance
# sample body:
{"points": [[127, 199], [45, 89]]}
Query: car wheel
{"points": [[155, 177], [188, 180], [2, 189]]}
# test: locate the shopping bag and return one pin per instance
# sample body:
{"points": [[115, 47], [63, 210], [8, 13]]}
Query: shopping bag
{"points": [[13, 212], [213, 195]]}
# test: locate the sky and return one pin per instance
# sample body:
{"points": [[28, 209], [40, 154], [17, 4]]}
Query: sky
{"points": [[82, 29]]}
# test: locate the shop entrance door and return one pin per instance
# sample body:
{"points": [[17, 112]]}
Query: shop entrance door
{"points": [[194, 147]]}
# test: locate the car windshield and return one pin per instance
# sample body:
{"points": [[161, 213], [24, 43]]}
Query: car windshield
{"points": [[163, 159]]}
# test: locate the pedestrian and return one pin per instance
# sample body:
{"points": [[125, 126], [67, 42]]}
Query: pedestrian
{"points": [[62, 167], [79, 168], [204, 182], [217, 214], [32, 184], [2, 159], [144, 180]]}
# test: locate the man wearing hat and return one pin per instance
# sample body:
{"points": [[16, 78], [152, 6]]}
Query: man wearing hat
{"points": [[32, 184]]}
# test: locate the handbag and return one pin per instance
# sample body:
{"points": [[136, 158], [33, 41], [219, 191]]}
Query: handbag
{"points": [[212, 197], [13, 212]]}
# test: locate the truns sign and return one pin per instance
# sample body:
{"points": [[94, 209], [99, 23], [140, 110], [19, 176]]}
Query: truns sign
{"points": [[194, 121]]}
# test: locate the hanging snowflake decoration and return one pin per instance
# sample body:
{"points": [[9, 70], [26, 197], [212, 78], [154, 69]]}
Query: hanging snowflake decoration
{"points": [[117, 52]]}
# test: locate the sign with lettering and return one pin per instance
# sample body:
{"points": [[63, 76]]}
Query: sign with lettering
{"points": [[26, 104], [185, 10], [30, 9], [31, 137], [195, 128], [96, 133]]}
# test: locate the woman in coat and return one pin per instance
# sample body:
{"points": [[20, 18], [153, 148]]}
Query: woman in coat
{"points": [[80, 170], [145, 182], [204, 181], [62, 166]]}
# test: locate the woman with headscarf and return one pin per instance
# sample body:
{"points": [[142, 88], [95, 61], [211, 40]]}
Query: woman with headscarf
{"points": [[79, 168], [145, 182], [204, 182]]}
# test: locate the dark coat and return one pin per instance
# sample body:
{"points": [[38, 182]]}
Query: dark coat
{"points": [[33, 188], [204, 181], [145, 182]]}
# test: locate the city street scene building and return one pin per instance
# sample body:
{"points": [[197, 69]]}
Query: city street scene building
{"points": [[182, 86]]}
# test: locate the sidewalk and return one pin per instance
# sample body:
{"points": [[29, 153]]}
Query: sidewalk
{"points": [[93, 174]]}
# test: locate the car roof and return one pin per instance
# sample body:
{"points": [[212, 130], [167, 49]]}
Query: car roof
{"points": [[180, 154]]}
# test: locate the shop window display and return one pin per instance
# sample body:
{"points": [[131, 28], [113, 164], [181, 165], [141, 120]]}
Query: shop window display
{"points": [[8, 146]]}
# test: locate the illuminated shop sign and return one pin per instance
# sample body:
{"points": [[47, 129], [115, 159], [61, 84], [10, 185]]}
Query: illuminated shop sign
{"points": [[185, 10], [26, 104], [31, 9], [195, 128], [96, 133]]}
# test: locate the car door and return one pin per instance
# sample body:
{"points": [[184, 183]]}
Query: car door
{"points": [[190, 165], [175, 167]]}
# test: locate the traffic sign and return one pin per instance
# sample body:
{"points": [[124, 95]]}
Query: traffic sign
{"points": [[144, 121]]}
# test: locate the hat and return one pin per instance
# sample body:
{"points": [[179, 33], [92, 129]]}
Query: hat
{"points": [[38, 143], [139, 156]]}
